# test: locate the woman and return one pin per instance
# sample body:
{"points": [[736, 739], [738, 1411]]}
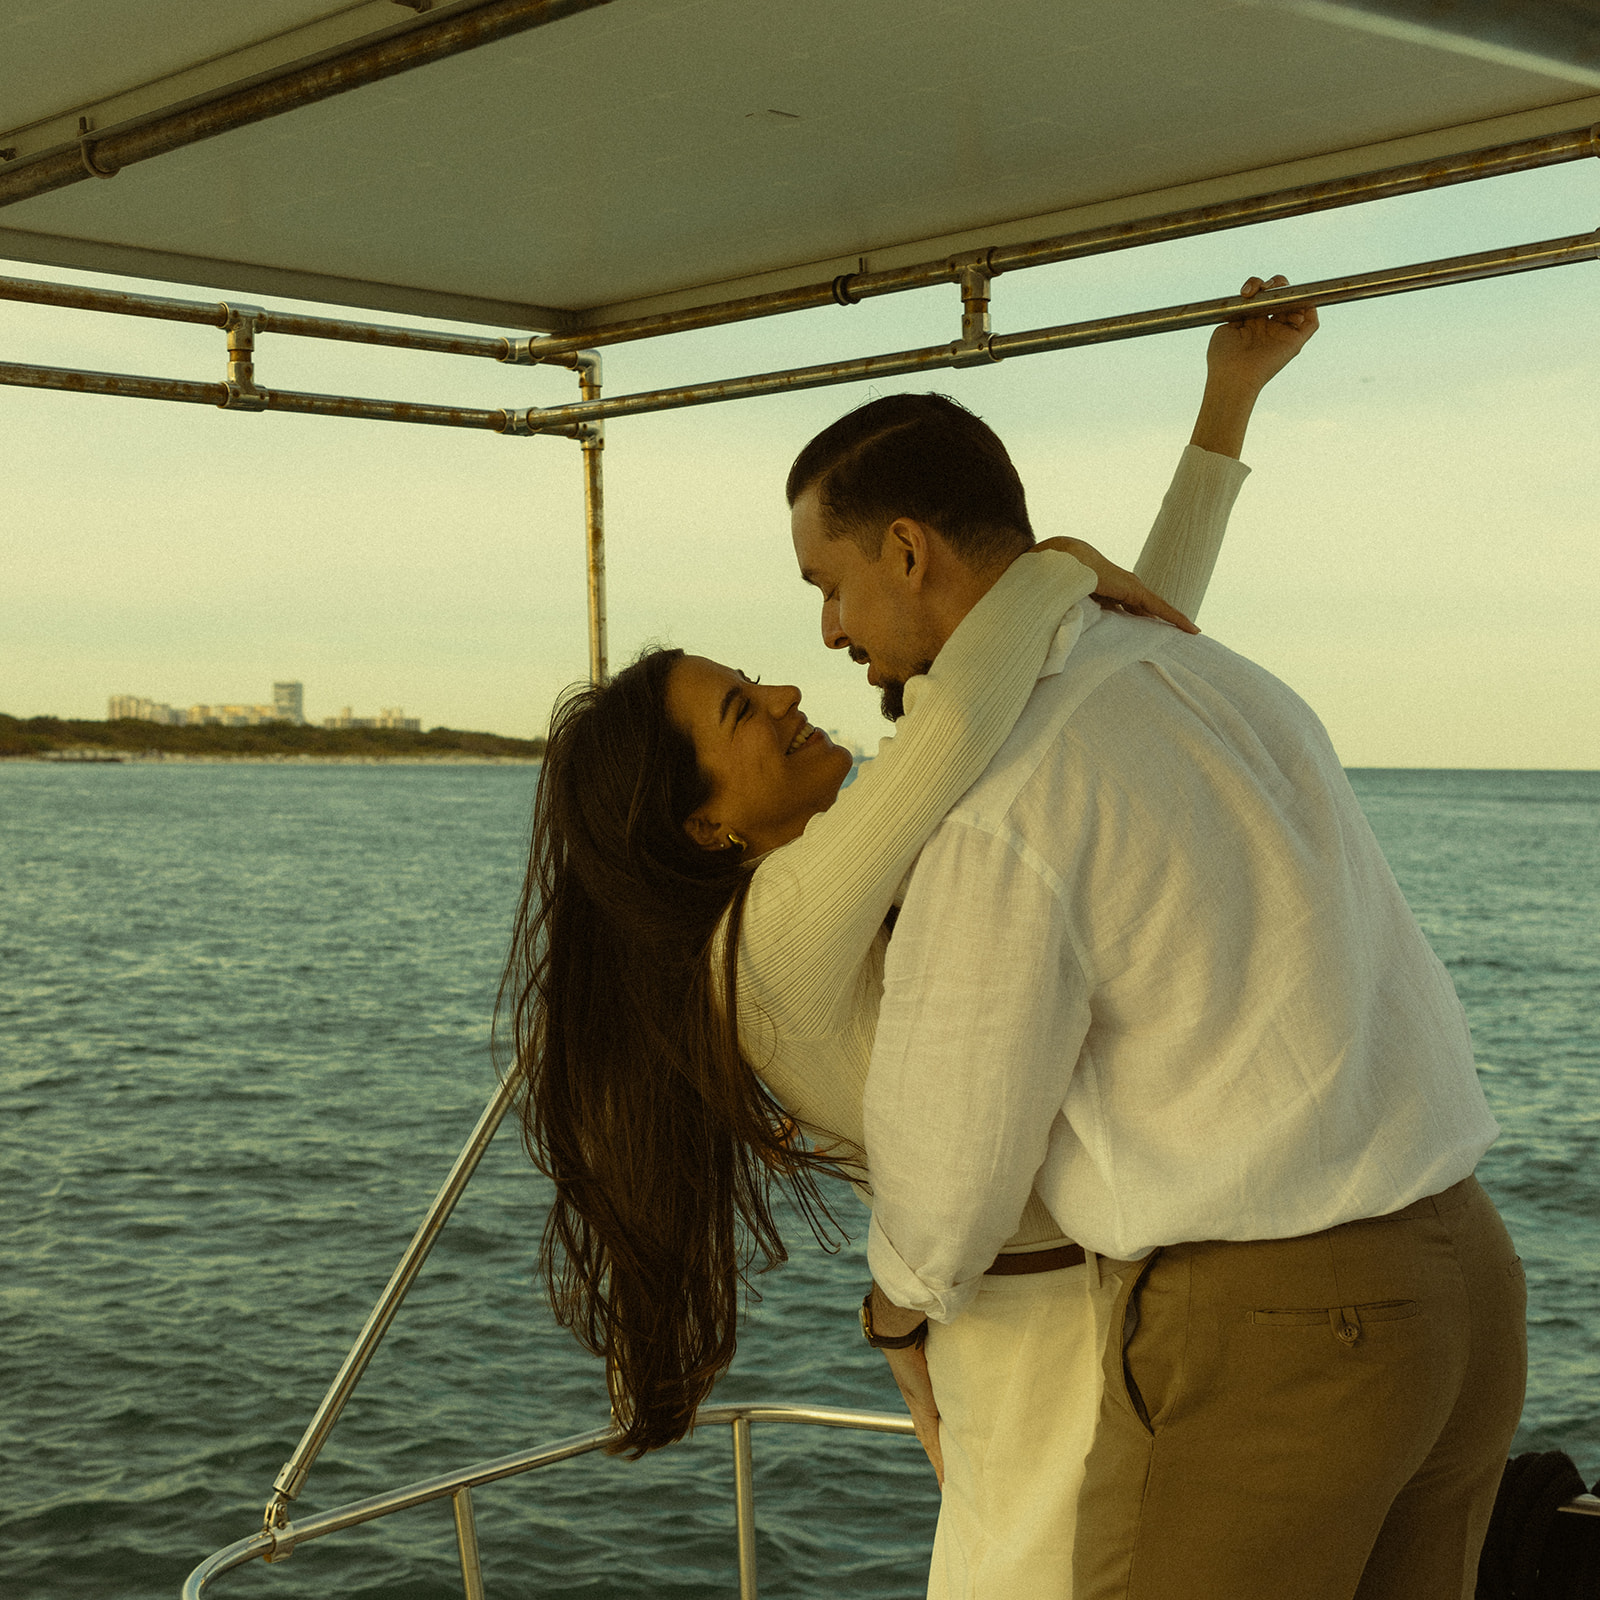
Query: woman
{"points": [[698, 951]]}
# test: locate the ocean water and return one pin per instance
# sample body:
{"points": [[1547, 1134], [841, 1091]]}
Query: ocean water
{"points": [[244, 1019]]}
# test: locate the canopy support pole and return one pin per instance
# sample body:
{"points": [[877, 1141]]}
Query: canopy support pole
{"points": [[593, 441]]}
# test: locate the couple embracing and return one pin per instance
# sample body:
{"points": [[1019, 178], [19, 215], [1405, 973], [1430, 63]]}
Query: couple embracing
{"points": [[1095, 984]]}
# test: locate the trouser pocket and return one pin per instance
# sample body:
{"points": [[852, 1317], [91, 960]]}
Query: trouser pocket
{"points": [[1133, 1318], [1344, 1322]]}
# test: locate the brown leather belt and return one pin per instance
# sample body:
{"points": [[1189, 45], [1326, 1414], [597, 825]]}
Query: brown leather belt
{"points": [[1020, 1261]]}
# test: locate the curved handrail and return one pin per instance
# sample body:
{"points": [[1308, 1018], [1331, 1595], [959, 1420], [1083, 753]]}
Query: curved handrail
{"points": [[282, 1541], [291, 1479]]}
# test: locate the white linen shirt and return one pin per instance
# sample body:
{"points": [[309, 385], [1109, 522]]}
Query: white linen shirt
{"points": [[1154, 967]]}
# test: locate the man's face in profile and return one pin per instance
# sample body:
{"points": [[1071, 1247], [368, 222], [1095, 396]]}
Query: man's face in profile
{"points": [[868, 608]]}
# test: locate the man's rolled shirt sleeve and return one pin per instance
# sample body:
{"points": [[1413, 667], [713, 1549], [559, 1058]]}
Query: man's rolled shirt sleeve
{"points": [[985, 1008]]}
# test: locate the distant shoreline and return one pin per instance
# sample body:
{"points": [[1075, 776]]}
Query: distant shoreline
{"points": [[71, 742]]}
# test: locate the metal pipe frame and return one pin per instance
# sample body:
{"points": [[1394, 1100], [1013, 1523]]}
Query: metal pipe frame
{"points": [[1493, 161], [130, 386], [280, 1541], [975, 347], [215, 314], [593, 441], [104, 156], [971, 271], [997, 347]]}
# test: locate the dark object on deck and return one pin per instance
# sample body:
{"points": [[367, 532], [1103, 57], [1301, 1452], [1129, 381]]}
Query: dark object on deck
{"points": [[1532, 1551]]}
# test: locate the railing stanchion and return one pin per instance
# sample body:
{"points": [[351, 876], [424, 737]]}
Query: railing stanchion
{"points": [[467, 1544], [744, 1502], [291, 1479]]}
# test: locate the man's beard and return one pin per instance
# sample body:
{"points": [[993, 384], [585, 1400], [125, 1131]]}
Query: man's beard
{"points": [[892, 693]]}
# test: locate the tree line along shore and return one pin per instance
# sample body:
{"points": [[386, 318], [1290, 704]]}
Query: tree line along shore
{"points": [[55, 738]]}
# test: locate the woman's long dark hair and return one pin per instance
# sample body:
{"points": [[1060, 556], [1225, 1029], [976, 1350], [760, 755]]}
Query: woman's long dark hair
{"points": [[634, 1097]]}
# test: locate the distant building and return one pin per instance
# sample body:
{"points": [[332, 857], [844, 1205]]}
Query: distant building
{"points": [[389, 717], [200, 716], [348, 719], [244, 716], [288, 702], [142, 710], [288, 705]]}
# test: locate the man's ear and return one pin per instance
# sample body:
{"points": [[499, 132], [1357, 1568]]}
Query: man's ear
{"points": [[704, 832], [909, 547]]}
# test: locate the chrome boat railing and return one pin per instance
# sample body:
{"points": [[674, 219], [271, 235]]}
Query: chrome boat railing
{"points": [[278, 1542]]}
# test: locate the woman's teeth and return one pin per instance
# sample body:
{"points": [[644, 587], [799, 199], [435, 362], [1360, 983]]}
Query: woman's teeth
{"points": [[806, 730]]}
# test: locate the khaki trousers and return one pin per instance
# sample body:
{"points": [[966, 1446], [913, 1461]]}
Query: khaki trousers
{"points": [[1017, 1380], [1323, 1418]]}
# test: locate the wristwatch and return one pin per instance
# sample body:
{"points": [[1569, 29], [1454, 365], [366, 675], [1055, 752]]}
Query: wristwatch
{"points": [[883, 1341]]}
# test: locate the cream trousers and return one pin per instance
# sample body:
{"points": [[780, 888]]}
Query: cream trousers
{"points": [[1017, 1378]]}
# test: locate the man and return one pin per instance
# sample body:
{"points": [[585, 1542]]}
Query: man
{"points": [[1154, 971]]}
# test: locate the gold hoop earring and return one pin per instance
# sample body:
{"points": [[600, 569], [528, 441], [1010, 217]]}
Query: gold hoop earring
{"points": [[735, 842]]}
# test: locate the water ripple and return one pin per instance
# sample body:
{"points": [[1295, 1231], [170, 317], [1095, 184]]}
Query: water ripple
{"points": [[246, 1012]]}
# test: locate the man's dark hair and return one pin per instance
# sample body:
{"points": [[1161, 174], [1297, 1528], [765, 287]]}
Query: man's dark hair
{"points": [[920, 456]]}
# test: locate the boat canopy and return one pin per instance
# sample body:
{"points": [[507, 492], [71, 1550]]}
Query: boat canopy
{"points": [[556, 165]]}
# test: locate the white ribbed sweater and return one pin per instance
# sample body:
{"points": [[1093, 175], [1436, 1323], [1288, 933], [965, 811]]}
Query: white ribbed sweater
{"points": [[812, 941]]}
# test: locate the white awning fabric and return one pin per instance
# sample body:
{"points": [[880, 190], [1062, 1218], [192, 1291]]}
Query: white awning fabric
{"points": [[655, 155]]}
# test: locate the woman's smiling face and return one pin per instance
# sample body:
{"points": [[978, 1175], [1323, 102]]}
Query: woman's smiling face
{"points": [[771, 772]]}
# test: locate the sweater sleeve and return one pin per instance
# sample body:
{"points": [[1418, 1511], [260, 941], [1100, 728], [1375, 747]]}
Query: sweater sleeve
{"points": [[1182, 545], [816, 904]]}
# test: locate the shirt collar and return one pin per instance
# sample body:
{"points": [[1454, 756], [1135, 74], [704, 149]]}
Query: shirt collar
{"points": [[1083, 615]]}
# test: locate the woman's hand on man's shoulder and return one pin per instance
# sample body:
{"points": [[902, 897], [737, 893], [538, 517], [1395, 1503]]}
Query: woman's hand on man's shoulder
{"points": [[1118, 588]]}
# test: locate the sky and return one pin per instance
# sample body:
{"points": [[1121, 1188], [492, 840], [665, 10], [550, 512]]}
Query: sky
{"points": [[1417, 551]]}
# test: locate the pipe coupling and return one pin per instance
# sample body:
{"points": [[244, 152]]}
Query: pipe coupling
{"points": [[243, 318], [526, 353], [242, 397], [86, 149], [276, 1526], [282, 1546], [519, 352], [974, 352]]}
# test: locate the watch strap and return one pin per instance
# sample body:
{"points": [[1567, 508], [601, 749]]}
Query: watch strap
{"points": [[884, 1341]]}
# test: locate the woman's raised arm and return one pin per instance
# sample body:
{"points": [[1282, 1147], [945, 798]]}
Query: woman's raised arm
{"points": [[1241, 359], [816, 904]]}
